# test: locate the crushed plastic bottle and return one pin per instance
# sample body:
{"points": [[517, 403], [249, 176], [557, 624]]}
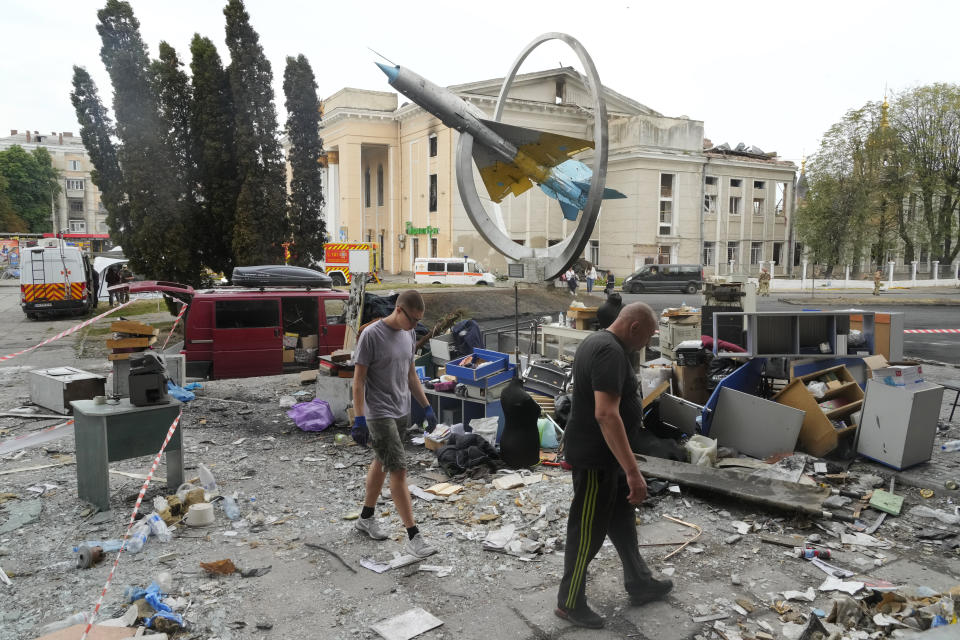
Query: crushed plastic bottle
{"points": [[138, 537], [113, 544], [938, 514], [953, 445], [158, 527], [207, 480], [69, 621], [230, 507]]}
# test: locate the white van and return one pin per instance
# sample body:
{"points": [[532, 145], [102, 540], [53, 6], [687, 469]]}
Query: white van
{"points": [[55, 278], [450, 271]]}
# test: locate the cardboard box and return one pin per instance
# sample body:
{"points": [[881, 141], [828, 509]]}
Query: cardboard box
{"points": [[308, 376], [290, 340], [834, 384], [818, 436], [690, 383], [309, 342], [433, 445], [899, 375], [288, 356]]}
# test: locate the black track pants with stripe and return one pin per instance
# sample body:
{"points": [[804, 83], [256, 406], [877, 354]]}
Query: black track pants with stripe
{"points": [[599, 509]]}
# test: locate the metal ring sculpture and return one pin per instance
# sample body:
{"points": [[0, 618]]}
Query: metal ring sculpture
{"points": [[560, 256]]}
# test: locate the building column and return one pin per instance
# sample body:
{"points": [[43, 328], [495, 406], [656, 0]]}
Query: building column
{"points": [[351, 192]]}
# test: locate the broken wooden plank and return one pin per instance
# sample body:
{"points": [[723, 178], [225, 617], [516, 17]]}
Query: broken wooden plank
{"points": [[134, 328], [126, 343]]}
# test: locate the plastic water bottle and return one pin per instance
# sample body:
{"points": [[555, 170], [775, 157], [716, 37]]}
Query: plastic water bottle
{"points": [[69, 621], [138, 537], [107, 545], [230, 507], [953, 445], [207, 480], [158, 527]]}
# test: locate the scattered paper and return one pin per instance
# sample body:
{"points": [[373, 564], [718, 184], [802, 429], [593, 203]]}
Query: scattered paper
{"points": [[833, 583], [806, 596], [4, 577], [381, 567], [863, 540], [238, 441], [883, 620], [498, 540], [420, 493], [445, 489], [742, 527], [441, 571], [830, 570], [511, 481], [407, 625]]}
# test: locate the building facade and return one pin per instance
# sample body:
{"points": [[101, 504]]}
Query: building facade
{"points": [[77, 210], [391, 179]]}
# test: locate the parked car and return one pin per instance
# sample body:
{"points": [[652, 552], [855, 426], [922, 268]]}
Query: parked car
{"points": [[450, 271], [238, 332], [665, 277]]}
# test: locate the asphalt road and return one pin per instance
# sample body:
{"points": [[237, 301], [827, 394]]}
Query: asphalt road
{"points": [[936, 347]]}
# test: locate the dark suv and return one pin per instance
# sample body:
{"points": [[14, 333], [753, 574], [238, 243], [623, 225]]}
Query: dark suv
{"points": [[665, 277]]}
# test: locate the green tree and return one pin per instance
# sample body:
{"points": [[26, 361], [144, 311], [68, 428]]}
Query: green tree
{"points": [[306, 194], [261, 224], [154, 191], [927, 120], [10, 222], [211, 138], [96, 131], [32, 183]]}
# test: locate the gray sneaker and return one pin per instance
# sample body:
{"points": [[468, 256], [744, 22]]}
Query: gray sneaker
{"points": [[418, 546], [371, 527]]}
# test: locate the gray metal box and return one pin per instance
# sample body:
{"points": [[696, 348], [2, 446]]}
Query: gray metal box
{"points": [[899, 423], [55, 388]]}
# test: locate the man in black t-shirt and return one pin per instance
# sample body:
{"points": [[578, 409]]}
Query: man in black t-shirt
{"points": [[606, 479]]}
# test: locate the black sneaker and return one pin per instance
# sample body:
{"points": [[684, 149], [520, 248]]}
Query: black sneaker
{"points": [[652, 590], [582, 617]]}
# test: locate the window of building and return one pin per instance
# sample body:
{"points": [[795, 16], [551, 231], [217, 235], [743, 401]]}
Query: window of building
{"points": [[433, 192], [380, 185], [756, 252], [77, 226], [74, 165], [595, 251], [780, 209], [709, 253], [666, 217], [366, 187], [797, 253], [732, 252], [663, 254], [415, 248], [433, 145], [759, 185], [711, 181], [758, 207], [777, 252], [433, 247], [710, 205], [666, 185], [75, 185], [455, 267], [76, 206], [735, 205], [736, 182]]}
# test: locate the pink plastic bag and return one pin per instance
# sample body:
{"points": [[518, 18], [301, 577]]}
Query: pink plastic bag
{"points": [[312, 416]]}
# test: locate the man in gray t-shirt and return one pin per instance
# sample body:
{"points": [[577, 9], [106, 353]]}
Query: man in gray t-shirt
{"points": [[383, 379]]}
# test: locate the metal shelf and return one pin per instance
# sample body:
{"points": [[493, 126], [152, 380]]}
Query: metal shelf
{"points": [[785, 334]]}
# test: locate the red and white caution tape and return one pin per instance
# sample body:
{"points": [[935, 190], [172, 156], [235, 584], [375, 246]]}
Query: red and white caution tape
{"points": [[931, 330], [33, 438], [63, 333], [183, 309], [133, 519]]}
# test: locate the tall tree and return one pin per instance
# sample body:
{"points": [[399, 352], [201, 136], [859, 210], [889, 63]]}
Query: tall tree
{"points": [[31, 184], [151, 181], [10, 222], [211, 138], [306, 193], [96, 131], [927, 120], [261, 224]]}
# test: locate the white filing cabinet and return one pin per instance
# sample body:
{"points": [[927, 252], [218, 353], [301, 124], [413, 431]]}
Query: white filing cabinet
{"points": [[899, 423]]}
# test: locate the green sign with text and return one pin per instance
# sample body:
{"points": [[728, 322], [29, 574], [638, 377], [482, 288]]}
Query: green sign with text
{"points": [[421, 231]]}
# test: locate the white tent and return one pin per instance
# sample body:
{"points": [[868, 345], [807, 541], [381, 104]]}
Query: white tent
{"points": [[101, 264]]}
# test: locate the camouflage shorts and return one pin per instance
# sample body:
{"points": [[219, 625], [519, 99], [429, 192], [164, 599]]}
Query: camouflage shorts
{"points": [[385, 439]]}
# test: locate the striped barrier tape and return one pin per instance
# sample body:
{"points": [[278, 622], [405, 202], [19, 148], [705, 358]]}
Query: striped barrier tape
{"points": [[183, 309], [73, 329], [931, 330], [12, 444], [133, 519]]}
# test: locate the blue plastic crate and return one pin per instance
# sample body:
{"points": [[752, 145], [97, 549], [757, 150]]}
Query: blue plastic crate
{"points": [[495, 362], [492, 380]]}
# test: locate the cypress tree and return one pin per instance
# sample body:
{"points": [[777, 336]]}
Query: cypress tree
{"points": [[306, 195], [96, 131], [261, 224], [211, 138]]}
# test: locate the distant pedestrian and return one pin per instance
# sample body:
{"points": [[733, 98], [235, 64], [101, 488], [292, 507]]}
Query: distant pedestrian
{"points": [[113, 278], [591, 277], [571, 278], [877, 277], [609, 310], [611, 281]]}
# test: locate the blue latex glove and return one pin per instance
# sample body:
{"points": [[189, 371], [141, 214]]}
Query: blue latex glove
{"points": [[359, 432], [431, 418]]}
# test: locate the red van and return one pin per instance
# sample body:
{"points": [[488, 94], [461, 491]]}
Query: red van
{"points": [[234, 332]]}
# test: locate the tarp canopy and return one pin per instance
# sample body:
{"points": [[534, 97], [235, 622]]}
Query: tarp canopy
{"points": [[101, 264]]}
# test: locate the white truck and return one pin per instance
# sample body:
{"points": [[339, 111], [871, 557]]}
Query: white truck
{"points": [[55, 279]]}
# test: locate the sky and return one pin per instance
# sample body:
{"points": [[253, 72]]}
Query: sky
{"points": [[771, 74]]}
